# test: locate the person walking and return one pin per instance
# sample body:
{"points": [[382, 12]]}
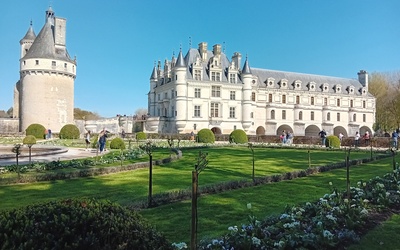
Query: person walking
{"points": [[87, 140], [395, 137], [102, 140], [357, 140], [340, 138], [322, 134]]}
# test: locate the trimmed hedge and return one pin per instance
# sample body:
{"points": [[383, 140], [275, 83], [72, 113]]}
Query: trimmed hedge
{"points": [[29, 140], [141, 136], [77, 224], [37, 130], [332, 141], [238, 136], [117, 143], [205, 136], [69, 131]]}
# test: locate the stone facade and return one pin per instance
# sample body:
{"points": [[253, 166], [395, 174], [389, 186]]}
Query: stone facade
{"points": [[204, 89], [44, 93]]}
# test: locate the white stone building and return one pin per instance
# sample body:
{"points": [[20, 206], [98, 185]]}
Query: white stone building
{"points": [[44, 93], [205, 89]]}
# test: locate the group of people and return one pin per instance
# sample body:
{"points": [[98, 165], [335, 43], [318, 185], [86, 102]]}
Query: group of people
{"points": [[286, 137], [366, 137], [101, 140]]}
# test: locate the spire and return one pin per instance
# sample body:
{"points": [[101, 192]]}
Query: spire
{"points": [[154, 73], [180, 62], [246, 67], [30, 34]]}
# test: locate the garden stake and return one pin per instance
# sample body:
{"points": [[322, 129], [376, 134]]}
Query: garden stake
{"points": [[148, 148], [201, 164], [348, 174], [252, 150]]}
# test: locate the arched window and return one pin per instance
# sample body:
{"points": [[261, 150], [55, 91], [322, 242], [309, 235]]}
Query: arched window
{"points": [[272, 114], [328, 116], [301, 115], [312, 116], [354, 117]]}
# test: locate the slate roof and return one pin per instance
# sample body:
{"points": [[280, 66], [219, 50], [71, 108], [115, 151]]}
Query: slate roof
{"points": [[44, 47], [30, 35]]}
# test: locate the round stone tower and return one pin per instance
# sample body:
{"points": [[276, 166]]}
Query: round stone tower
{"points": [[44, 93]]}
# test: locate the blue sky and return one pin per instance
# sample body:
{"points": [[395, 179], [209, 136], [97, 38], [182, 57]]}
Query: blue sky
{"points": [[117, 42]]}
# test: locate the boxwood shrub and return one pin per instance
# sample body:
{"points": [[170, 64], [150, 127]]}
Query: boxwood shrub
{"points": [[238, 136], [332, 141], [117, 143], [77, 224], [141, 136], [37, 130], [69, 131], [29, 140], [205, 136]]}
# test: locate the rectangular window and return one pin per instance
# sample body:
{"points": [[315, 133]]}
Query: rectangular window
{"points": [[165, 95], [233, 95], [312, 100], [197, 93], [338, 102], [65, 65], [297, 99], [216, 91], [214, 109], [269, 97], [364, 104], [197, 75], [251, 115], [338, 117], [283, 98], [216, 76], [172, 93], [364, 118], [197, 111], [53, 63], [232, 112], [326, 101], [37, 62], [283, 114], [351, 103], [312, 116], [253, 97], [232, 78]]}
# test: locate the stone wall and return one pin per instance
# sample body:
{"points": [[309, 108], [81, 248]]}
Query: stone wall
{"points": [[9, 125]]}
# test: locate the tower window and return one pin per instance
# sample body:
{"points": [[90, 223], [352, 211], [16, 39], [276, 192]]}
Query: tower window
{"points": [[272, 114], [283, 98], [312, 116], [269, 97], [53, 63], [233, 95], [283, 114], [253, 96], [301, 115], [312, 100], [297, 99], [37, 62]]}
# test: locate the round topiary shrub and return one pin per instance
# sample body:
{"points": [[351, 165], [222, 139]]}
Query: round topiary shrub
{"points": [[238, 136], [332, 141], [29, 140], [141, 136], [69, 131], [117, 143], [205, 136], [37, 130], [77, 224]]}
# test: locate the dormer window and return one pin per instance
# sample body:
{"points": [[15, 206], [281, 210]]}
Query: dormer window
{"points": [[311, 86], [297, 85], [283, 84], [363, 91], [269, 83], [350, 90], [338, 88], [325, 87]]}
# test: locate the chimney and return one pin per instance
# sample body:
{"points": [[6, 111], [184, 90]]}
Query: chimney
{"points": [[236, 58], [203, 51], [363, 78], [217, 49]]}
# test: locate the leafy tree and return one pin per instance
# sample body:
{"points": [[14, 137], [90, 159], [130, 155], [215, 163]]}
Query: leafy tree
{"points": [[80, 114]]}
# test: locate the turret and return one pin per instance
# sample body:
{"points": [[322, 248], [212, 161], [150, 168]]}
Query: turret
{"points": [[152, 95], [247, 89], [27, 40], [181, 92]]}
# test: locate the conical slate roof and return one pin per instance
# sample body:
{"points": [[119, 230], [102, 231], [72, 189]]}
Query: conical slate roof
{"points": [[44, 47], [180, 62], [246, 68], [30, 35]]}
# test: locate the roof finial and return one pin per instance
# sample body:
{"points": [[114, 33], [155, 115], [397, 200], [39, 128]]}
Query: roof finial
{"points": [[190, 42], [223, 47], [31, 22]]}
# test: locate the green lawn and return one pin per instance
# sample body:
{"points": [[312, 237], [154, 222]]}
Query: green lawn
{"points": [[216, 212]]}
